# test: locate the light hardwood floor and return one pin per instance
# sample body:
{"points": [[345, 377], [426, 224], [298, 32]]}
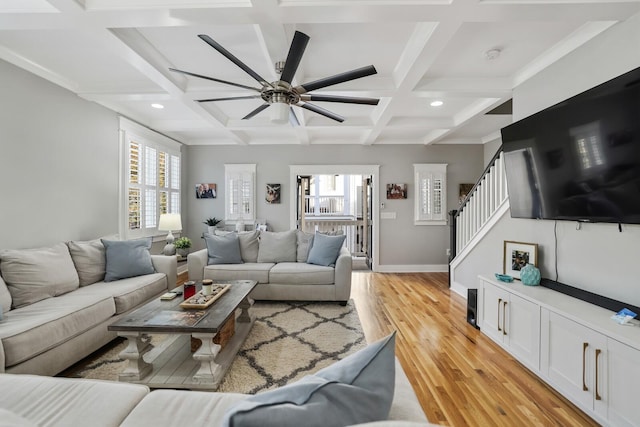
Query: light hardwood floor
{"points": [[460, 376]]}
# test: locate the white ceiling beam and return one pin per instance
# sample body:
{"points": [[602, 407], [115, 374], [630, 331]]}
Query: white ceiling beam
{"points": [[424, 46]]}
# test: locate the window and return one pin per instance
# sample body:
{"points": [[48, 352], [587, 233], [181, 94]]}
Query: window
{"points": [[151, 179], [240, 198], [431, 194]]}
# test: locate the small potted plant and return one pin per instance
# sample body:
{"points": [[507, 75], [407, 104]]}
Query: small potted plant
{"points": [[211, 223], [182, 246]]}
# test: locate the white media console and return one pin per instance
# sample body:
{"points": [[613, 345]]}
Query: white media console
{"points": [[572, 345]]}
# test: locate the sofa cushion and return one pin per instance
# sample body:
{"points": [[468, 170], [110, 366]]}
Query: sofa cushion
{"points": [[325, 249], [36, 274], [304, 241], [173, 408], [357, 389], [223, 249], [36, 328], [5, 297], [248, 243], [130, 292], [48, 401], [299, 273], [277, 246], [90, 260], [250, 271], [11, 419], [127, 258]]}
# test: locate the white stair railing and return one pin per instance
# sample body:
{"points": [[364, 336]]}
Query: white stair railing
{"points": [[485, 199]]}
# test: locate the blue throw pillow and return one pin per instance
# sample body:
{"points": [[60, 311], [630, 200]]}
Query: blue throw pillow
{"points": [[223, 249], [127, 258], [358, 389], [325, 249]]}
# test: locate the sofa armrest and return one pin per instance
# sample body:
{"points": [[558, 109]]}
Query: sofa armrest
{"points": [[167, 265], [196, 262], [2, 359], [343, 275]]}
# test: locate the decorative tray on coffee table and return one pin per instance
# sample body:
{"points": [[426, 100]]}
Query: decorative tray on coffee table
{"points": [[199, 300]]}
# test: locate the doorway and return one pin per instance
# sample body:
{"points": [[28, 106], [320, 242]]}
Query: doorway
{"points": [[338, 198]]}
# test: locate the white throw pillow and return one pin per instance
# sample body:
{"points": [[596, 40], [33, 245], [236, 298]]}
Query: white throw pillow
{"points": [[90, 260], [277, 246]]}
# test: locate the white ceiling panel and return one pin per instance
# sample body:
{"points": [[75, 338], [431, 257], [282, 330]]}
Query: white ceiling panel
{"points": [[118, 53]]}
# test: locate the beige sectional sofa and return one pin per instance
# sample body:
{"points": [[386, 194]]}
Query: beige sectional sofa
{"points": [[56, 305], [278, 262], [29, 400]]}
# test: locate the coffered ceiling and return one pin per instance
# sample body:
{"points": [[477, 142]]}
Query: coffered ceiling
{"points": [[469, 54]]}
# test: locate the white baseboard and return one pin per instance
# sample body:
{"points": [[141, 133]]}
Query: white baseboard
{"points": [[413, 268], [459, 289]]}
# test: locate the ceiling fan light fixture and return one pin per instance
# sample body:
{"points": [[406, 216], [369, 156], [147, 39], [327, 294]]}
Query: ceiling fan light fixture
{"points": [[157, 106], [436, 103], [279, 113]]}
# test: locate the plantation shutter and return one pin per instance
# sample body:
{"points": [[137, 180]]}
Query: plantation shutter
{"points": [[151, 181], [240, 192], [430, 190]]}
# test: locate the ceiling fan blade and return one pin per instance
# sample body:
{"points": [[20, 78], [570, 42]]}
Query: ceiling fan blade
{"points": [[229, 98], [343, 99], [321, 111], [298, 45], [214, 44], [214, 80], [256, 111], [338, 78], [293, 119]]}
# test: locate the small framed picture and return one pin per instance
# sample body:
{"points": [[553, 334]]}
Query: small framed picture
{"points": [[206, 191], [396, 191], [517, 255], [273, 193]]}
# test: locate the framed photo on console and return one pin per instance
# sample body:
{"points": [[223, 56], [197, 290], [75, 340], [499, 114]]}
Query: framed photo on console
{"points": [[517, 255]]}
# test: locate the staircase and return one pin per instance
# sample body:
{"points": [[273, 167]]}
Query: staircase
{"points": [[485, 204]]}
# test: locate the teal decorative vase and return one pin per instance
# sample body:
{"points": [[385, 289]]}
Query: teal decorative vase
{"points": [[530, 275]]}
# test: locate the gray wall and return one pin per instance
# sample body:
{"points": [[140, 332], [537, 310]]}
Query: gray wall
{"points": [[401, 242], [58, 163], [595, 257]]}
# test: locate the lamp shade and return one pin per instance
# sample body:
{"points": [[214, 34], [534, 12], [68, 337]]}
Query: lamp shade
{"points": [[170, 222], [279, 113]]}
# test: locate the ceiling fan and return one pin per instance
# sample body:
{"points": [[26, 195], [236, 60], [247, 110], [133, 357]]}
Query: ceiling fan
{"points": [[281, 94]]}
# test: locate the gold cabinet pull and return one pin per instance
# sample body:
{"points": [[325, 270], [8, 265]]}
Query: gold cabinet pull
{"points": [[504, 317], [499, 302], [598, 351], [584, 362]]}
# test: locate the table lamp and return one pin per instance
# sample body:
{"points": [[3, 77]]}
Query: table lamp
{"points": [[170, 222]]}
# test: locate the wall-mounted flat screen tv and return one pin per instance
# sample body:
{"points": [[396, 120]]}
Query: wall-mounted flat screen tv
{"points": [[579, 160]]}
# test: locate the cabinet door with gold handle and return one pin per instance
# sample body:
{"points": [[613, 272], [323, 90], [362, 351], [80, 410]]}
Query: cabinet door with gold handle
{"points": [[504, 316], [584, 366], [598, 397], [499, 302]]}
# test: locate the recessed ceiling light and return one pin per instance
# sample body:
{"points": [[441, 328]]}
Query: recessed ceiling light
{"points": [[436, 103], [158, 106]]}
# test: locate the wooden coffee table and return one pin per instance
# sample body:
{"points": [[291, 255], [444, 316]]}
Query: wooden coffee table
{"points": [[172, 364]]}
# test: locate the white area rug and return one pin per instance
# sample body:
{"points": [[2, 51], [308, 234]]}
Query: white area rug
{"points": [[287, 342]]}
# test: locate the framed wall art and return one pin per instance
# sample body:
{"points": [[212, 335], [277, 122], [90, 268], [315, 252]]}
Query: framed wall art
{"points": [[273, 193], [396, 191], [206, 191], [517, 255]]}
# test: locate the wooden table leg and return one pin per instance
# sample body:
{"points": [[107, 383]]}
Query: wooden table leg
{"points": [[209, 371], [245, 305], [137, 345]]}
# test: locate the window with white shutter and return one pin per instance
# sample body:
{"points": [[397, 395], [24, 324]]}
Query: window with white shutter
{"points": [[431, 194], [240, 189], [151, 181]]}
